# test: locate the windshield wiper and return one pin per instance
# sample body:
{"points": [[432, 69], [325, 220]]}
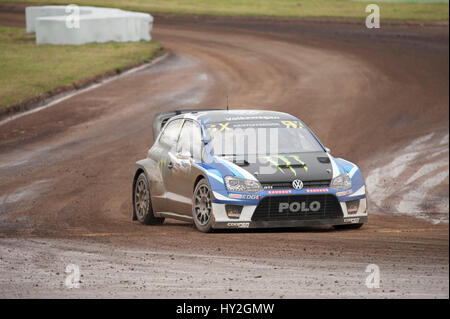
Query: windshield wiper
{"points": [[224, 155]]}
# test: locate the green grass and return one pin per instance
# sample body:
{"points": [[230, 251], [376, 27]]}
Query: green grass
{"points": [[28, 70], [418, 10]]}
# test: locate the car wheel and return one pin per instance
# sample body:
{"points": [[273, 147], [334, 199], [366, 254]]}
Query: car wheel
{"points": [[142, 202], [351, 226], [202, 207]]}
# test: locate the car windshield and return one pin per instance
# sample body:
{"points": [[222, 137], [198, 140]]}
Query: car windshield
{"points": [[237, 138]]}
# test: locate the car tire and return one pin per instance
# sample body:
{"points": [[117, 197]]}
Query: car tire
{"points": [[202, 212], [351, 226], [142, 202]]}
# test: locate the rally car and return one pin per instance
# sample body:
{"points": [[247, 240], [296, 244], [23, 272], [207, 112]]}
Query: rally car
{"points": [[225, 169]]}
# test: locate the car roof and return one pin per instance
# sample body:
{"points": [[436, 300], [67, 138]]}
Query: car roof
{"points": [[225, 115]]}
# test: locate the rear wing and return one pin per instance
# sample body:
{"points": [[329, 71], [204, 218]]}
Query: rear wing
{"points": [[161, 119]]}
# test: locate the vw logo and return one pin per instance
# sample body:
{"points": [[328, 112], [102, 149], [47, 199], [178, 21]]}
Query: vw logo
{"points": [[297, 184]]}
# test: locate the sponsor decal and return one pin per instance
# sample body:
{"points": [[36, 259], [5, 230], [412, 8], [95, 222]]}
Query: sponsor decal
{"points": [[162, 163], [219, 127], [271, 161], [352, 207], [244, 196], [253, 117], [351, 220], [296, 207], [239, 225], [274, 160], [317, 190], [292, 124], [282, 191]]}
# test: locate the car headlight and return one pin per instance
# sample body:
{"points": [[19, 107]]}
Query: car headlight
{"points": [[342, 181], [242, 185]]}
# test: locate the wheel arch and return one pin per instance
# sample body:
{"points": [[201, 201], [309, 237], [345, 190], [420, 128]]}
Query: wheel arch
{"points": [[197, 180]]}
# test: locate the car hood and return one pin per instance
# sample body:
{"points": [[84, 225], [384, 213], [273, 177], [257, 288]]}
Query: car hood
{"points": [[313, 166]]}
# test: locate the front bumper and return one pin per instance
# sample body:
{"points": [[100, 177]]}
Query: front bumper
{"points": [[247, 219], [289, 223]]}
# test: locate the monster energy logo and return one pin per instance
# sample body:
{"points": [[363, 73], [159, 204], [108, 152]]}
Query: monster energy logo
{"points": [[287, 160], [162, 163]]}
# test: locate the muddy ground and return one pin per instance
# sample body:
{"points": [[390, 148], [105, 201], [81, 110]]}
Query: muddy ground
{"points": [[66, 170]]}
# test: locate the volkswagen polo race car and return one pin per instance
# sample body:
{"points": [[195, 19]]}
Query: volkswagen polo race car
{"points": [[244, 169]]}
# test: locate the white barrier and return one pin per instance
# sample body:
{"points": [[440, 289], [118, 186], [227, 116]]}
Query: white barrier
{"points": [[95, 25]]}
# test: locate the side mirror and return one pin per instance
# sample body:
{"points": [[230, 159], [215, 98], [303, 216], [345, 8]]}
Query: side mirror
{"points": [[327, 149]]}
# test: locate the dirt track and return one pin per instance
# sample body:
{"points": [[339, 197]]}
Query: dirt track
{"points": [[66, 171]]}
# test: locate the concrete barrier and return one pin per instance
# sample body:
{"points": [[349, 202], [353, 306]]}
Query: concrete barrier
{"points": [[95, 25]]}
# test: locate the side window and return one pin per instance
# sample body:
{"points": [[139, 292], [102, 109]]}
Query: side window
{"points": [[170, 134], [197, 141], [185, 142], [190, 139]]}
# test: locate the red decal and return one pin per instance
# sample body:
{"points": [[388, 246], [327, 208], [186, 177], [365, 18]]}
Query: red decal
{"points": [[317, 190], [284, 191]]}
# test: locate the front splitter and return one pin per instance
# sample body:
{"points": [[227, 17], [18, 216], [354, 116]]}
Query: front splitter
{"points": [[290, 223]]}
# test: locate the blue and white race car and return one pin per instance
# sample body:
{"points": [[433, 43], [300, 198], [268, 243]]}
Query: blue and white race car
{"points": [[244, 169]]}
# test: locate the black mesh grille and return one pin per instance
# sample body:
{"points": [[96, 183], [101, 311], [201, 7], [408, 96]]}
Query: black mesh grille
{"points": [[268, 208], [287, 185]]}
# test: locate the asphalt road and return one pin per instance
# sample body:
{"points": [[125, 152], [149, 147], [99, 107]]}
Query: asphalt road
{"points": [[66, 171]]}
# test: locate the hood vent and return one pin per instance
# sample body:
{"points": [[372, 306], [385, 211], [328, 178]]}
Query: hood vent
{"points": [[324, 160]]}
